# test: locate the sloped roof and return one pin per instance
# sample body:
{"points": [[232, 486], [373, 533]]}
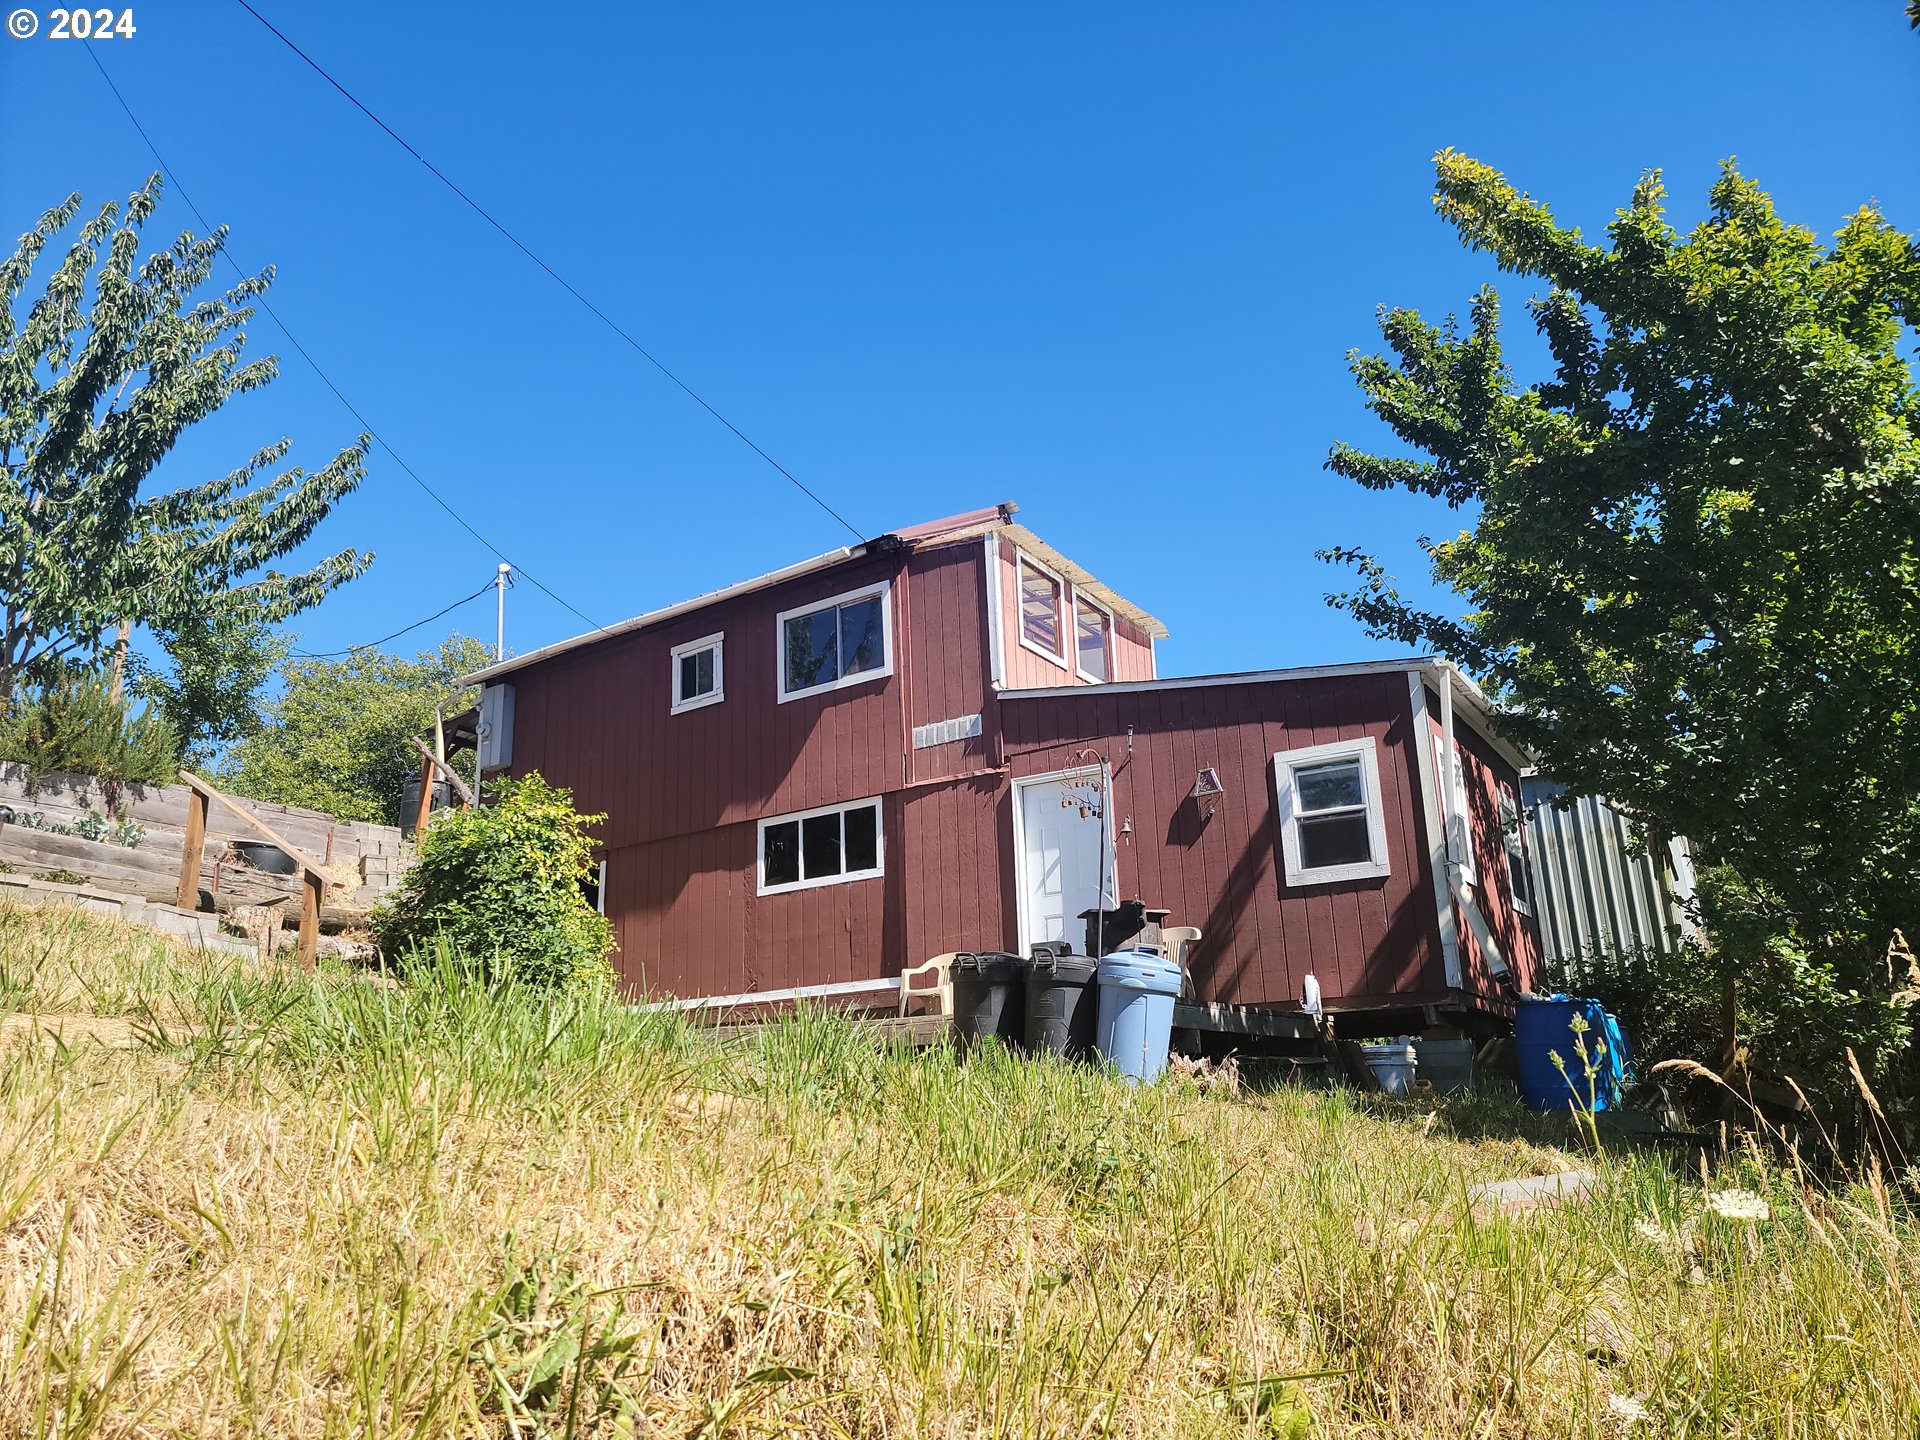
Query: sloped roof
{"points": [[945, 531]]}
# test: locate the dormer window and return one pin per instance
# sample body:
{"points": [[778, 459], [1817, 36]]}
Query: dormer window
{"points": [[1041, 594], [1093, 640]]}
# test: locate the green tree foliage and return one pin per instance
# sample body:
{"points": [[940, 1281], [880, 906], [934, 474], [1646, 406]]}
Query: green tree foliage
{"points": [[99, 375], [73, 724], [1694, 548], [338, 735], [503, 888], [212, 691]]}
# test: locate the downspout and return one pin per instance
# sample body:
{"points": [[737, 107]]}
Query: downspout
{"points": [[1449, 785]]}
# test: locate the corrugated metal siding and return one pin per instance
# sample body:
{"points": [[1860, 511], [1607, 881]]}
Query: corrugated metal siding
{"points": [[1594, 891], [1369, 942]]}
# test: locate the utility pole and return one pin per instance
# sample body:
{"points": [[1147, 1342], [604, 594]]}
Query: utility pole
{"points": [[500, 582]]}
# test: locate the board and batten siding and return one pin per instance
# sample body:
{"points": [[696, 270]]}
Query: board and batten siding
{"points": [[684, 793], [1369, 942]]}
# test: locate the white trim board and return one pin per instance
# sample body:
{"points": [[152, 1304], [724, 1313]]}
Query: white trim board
{"points": [[996, 639], [765, 997], [1444, 911]]}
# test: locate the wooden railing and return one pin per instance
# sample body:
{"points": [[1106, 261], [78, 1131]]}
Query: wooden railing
{"points": [[313, 879]]}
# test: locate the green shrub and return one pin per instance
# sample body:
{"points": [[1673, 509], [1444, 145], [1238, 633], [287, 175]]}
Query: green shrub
{"points": [[503, 886], [75, 725], [1669, 1002]]}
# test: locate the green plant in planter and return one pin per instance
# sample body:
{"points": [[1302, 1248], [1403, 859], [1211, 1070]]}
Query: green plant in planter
{"points": [[504, 886]]}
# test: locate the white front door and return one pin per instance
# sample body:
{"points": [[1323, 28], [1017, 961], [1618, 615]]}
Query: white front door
{"points": [[1060, 857]]}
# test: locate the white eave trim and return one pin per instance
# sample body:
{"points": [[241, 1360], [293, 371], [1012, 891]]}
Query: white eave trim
{"points": [[766, 997], [1480, 710], [655, 617]]}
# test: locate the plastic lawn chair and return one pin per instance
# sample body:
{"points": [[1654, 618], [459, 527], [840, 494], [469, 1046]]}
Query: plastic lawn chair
{"points": [[1177, 940], [940, 968]]}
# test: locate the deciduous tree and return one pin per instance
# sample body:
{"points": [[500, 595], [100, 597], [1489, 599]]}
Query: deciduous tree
{"points": [[99, 376], [1692, 564]]}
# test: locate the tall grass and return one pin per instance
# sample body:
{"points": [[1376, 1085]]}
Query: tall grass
{"points": [[324, 1205]]}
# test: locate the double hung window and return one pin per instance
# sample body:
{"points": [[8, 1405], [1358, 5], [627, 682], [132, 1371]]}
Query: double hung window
{"points": [[1332, 821]]}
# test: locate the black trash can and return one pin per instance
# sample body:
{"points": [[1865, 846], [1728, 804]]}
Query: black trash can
{"points": [[989, 997], [1062, 1003]]}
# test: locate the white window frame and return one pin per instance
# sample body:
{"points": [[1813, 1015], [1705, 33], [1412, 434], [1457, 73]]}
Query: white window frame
{"points": [[1063, 621], [716, 643], [1514, 843], [1080, 598], [882, 588], [761, 887], [1284, 764]]}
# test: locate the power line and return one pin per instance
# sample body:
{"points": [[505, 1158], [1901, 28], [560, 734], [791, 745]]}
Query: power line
{"points": [[325, 378], [555, 275], [375, 644]]}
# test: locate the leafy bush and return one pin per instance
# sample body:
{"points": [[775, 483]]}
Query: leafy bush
{"points": [[75, 725], [1667, 1001], [503, 885]]}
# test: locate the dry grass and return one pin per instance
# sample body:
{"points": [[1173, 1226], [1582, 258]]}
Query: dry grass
{"points": [[297, 1207]]}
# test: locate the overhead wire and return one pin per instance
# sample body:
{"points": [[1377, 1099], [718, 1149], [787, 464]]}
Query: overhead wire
{"points": [[555, 275], [405, 629], [318, 370]]}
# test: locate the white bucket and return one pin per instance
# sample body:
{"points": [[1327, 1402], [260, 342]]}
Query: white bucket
{"points": [[1393, 1065]]}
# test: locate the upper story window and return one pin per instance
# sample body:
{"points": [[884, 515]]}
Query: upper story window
{"points": [[697, 673], [820, 847], [836, 642], [1332, 821], [1040, 625], [1093, 639], [1513, 829]]}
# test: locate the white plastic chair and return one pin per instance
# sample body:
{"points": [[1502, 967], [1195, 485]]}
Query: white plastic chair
{"points": [[1177, 940], [941, 969]]}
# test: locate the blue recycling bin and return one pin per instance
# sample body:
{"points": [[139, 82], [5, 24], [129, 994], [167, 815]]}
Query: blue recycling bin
{"points": [[1135, 1025]]}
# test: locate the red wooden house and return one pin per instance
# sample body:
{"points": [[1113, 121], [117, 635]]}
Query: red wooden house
{"points": [[943, 738]]}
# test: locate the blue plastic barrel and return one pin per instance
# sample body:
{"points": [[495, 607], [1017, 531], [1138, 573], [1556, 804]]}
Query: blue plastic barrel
{"points": [[1543, 1027], [1135, 1023]]}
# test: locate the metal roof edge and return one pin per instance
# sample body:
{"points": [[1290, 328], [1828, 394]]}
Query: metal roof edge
{"points": [[655, 617], [1477, 703], [1233, 677]]}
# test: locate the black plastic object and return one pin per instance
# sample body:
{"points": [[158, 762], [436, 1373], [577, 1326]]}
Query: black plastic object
{"points": [[410, 802], [989, 997], [1062, 1003], [1118, 924]]}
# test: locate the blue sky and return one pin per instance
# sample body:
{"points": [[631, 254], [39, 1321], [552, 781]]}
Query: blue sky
{"points": [[1105, 261]]}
